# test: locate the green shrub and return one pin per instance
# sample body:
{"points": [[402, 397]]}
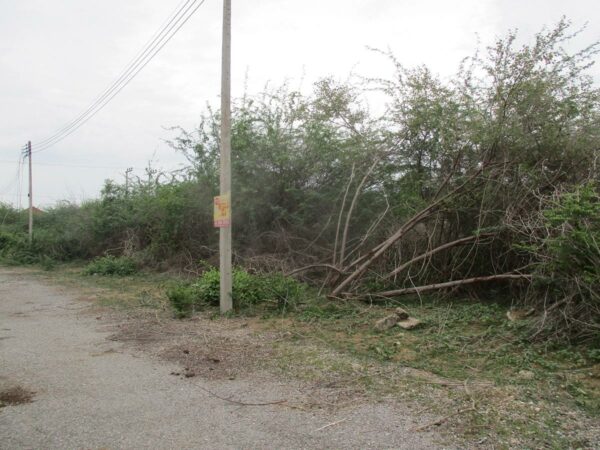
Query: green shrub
{"points": [[206, 289], [111, 265], [182, 299], [6, 240], [566, 252], [574, 246], [47, 263], [248, 290], [285, 290], [16, 249]]}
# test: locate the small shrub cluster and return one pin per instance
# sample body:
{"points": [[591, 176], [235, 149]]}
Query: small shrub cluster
{"points": [[111, 265], [182, 298], [275, 290]]}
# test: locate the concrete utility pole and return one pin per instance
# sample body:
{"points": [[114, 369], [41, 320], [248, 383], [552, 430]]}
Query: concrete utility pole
{"points": [[127, 172], [226, 302], [30, 194]]}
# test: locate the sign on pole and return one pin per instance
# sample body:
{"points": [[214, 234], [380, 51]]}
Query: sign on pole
{"points": [[222, 211]]}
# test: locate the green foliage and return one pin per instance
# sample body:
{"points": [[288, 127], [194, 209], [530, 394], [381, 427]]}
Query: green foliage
{"points": [[285, 291], [16, 249], [574, 246], [111, 265], [207, 288], [565, 249], [271, 291], [183, 299], [250, 289]]}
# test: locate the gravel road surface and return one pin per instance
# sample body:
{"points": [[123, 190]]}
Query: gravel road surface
{"points": [[89, 392]]}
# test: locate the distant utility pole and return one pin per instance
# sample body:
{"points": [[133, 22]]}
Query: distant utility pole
{"points": [[127, 172], [226, 302], [30, 194]]}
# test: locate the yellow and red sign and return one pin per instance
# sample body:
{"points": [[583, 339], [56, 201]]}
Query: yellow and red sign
{"points": [[222, 211]]}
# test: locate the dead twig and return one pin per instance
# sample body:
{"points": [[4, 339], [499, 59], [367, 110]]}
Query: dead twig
{"points": [[330, 425], [442, 420], [237, 402]]}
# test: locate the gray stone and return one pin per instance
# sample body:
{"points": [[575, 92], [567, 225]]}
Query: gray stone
{"points": [[386, 323], [402, 314], [409, 323]]}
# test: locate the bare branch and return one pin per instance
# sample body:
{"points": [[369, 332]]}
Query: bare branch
{"points": [[352, 206], [448, 284], [443, 247]]}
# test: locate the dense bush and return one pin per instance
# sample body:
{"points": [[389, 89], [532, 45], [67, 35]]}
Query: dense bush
{"points": [[563, 240]]}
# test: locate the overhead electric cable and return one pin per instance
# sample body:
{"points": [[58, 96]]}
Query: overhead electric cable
{"points": [[14, 179], [166, 34], [122, 75], [20, 183], [79, 166]]}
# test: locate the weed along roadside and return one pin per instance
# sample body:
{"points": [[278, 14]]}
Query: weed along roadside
{"points": [[466, 366]]}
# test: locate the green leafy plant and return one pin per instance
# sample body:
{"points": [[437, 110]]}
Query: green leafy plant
{"points": [[182, 298], [248, 290]]}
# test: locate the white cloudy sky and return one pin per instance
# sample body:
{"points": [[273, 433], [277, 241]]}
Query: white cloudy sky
{"points": [[57, 56]]}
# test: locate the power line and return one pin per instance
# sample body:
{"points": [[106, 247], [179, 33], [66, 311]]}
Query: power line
{"points": [[51, 197], [14, 179], [120, 78], [20, 183], [164, 36], [74, 165]]}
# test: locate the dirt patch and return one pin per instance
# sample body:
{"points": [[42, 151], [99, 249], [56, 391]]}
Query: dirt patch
{"points": [[238, 349], [212, 349], [15, 396]]}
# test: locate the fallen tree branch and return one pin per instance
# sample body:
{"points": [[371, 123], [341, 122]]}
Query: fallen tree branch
{"points": [[447, 284], [381, 248]]}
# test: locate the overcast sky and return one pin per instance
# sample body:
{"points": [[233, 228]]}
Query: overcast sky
{"points": [[57, 56]]}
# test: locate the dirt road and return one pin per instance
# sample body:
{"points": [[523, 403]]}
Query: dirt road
{"points": [[88, 392]]}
